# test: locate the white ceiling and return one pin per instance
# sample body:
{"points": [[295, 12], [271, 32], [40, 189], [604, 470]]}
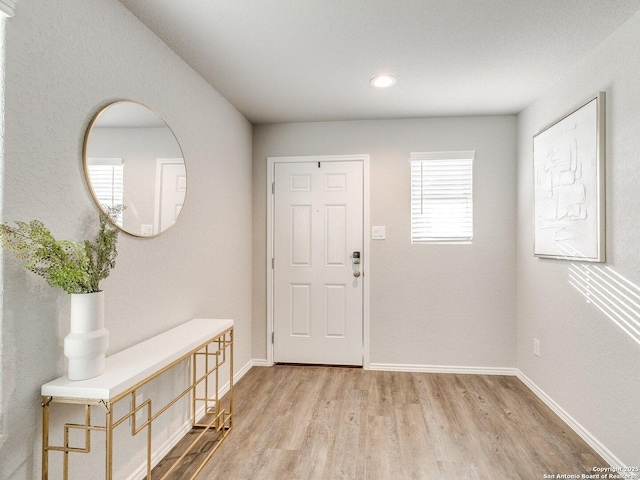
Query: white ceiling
{"points": [[311, 60]]}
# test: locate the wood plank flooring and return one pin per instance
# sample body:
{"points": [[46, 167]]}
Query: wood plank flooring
{"points": [[329, 423]]}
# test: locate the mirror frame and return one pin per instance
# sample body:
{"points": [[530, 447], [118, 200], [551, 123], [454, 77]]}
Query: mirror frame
{"points": [[87, 136]]}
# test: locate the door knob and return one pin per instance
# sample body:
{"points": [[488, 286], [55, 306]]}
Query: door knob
{"points": [[356, 273]]}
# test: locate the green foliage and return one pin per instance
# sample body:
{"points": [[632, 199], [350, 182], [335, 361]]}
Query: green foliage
{"points": [[74, 267]]}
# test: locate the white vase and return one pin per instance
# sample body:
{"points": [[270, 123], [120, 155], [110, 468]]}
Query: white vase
{"points": [[87, 343]]}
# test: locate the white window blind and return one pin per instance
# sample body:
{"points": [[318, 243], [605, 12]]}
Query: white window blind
{"points": [[107, 181], [7, 8], [442, 196]]}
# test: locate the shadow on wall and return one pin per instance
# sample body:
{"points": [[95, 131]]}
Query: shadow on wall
{"points": [[611, 293]]}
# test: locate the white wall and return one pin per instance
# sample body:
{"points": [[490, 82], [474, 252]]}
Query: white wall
{"points": [[589, 366], [65, 60], [451, 305]]}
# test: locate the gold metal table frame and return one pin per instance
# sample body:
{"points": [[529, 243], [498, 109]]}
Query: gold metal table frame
{"points": [[205, 362]]}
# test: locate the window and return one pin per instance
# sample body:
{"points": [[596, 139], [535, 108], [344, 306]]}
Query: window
{"points": [[442, 197], [107, 181]]}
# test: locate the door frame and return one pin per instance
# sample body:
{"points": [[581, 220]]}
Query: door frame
{"points": [[160, 163], [366, 237]]}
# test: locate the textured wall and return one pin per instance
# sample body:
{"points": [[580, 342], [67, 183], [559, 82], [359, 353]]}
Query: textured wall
{"points": [[430, 304], [65, 60], [589, 366]]}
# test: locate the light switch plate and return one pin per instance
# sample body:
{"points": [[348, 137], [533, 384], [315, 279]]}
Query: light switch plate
{"points": [[378, 233]]}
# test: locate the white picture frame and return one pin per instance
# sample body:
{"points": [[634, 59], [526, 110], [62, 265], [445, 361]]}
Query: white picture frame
{"points": [[569, 185]]}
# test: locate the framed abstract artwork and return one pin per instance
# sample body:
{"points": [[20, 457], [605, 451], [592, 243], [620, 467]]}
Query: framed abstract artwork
{"points": [[568, 163]]}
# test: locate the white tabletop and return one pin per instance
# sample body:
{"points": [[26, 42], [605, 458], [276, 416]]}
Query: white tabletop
{"points": [[128, 367]]}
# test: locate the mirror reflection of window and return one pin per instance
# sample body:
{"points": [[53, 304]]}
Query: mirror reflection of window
{"points": [[107, 180]]}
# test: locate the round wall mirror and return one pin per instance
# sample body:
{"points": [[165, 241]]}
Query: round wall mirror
{"points": [[132, 158]]}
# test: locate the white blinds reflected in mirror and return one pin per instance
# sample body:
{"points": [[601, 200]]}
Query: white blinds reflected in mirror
{"points": [[107, 180]]}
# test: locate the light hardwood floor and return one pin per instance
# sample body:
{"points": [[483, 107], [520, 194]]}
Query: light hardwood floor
{"points": [[329, 423]]}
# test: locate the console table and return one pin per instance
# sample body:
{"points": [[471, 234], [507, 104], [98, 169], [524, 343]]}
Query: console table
{"points": [[207, 343]]}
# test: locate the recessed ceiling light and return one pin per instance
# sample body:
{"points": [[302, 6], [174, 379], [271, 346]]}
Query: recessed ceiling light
{"points": [[383, 81]]}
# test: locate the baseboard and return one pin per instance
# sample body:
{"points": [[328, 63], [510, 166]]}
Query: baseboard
{"points": [[141, 472], [400, 367], [236, 377], [591, 440], [259, 362]]}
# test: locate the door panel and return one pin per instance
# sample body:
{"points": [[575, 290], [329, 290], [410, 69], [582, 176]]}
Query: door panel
{"points": [[300, 315], [318, 223], [335, 235], [300, 228], [336, 310]]}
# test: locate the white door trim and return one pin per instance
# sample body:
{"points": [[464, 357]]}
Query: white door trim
{"points": [[160, 162], [271, 163]]}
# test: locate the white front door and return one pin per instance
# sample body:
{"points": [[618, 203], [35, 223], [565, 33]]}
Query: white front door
{"points": [[318, 294]]}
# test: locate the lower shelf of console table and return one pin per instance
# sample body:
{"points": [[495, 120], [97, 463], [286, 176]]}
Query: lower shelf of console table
{"points": [[207, 346]]}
